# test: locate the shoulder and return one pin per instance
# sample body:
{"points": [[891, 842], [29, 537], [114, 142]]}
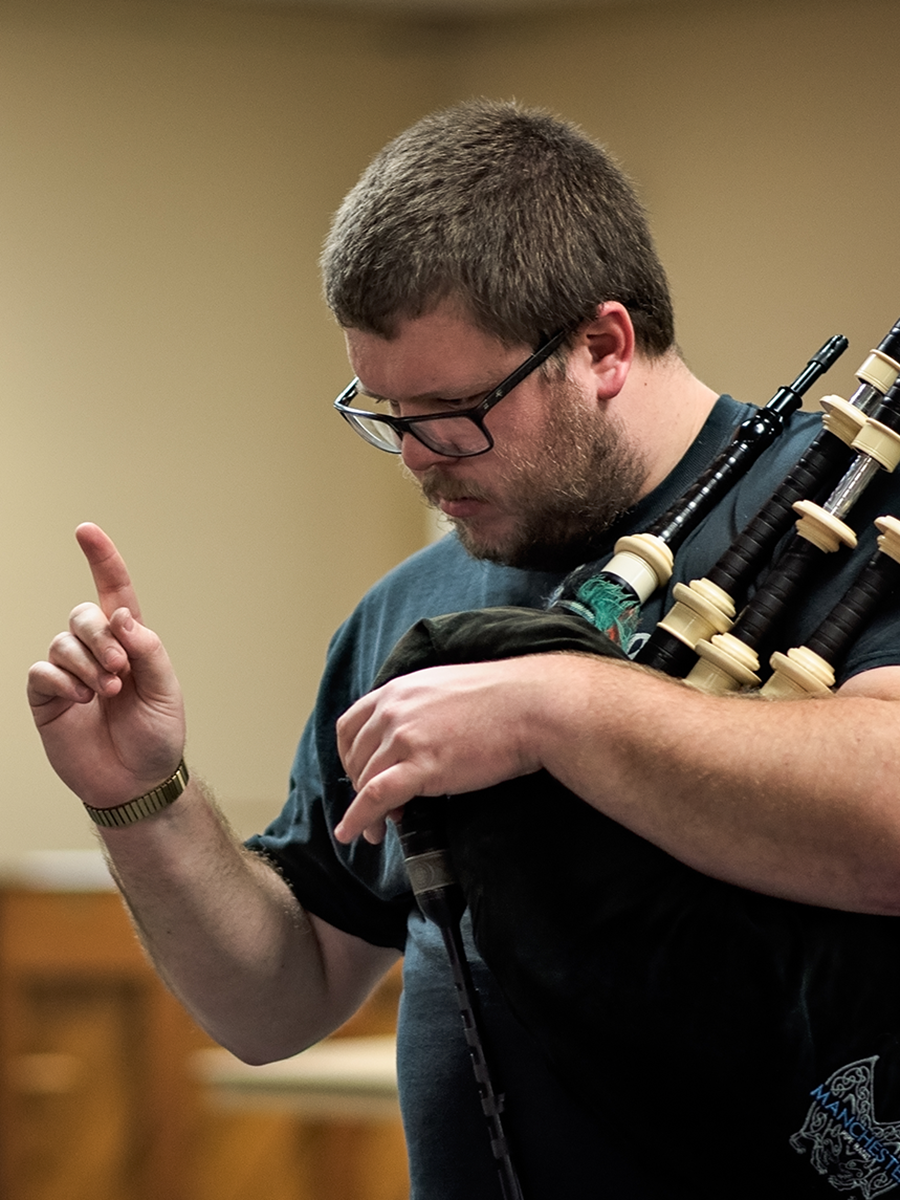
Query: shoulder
{"points": [[442, 578]]}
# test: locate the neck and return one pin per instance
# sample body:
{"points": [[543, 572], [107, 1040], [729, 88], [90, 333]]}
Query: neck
{"points": [[663, 407]]}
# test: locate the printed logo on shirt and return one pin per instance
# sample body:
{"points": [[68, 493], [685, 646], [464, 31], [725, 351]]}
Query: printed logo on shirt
{"points": [[846, 1144]]}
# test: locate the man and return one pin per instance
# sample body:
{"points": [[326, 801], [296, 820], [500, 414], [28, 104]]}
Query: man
{"points": [[486, 244]]}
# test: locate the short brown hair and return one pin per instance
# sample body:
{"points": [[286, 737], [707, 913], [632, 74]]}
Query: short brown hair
{"points": [[514, 214]]}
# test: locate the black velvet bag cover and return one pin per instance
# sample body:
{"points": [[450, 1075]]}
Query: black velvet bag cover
{"points": [[745, 1046]]}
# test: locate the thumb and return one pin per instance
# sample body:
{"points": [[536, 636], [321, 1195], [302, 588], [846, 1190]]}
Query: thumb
{"points": [[149, 666]]}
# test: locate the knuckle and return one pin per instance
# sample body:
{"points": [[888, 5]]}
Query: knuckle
{"points": [[59, 646], [82, 620], [393, 716], [36, 675]]}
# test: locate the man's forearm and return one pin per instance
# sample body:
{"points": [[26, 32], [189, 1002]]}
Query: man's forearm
{"points": [[794, 798], [229, 938]]}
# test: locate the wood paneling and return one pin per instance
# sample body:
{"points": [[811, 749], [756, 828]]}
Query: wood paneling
{"points": [[98, 1100]]}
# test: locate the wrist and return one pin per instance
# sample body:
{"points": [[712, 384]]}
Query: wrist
{"points": [[578, 708], [154, 801]]}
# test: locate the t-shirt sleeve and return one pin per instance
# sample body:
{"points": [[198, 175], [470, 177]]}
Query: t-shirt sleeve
{"points": [[361, 889]]}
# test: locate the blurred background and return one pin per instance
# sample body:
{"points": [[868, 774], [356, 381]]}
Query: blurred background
{"points": [[168, 169]]}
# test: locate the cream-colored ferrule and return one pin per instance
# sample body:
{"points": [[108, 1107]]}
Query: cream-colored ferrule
{"points": [[879, 370], [725, 664], [701, 609], [880, 443], [822, 528], [889, 536], [644, 562], [842, 418], [800, 672]]}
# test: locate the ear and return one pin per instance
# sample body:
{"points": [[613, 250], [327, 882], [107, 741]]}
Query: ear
{"points": [[610, 342]]}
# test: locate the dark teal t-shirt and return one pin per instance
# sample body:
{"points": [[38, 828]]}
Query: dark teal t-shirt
{"points": [[364, 889]]}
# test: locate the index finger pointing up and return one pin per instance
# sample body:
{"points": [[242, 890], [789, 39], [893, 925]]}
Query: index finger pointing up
{"points": [[111, 578]]}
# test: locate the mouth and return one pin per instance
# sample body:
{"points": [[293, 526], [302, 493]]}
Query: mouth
{"points": [[457, 499], [460, 508]]}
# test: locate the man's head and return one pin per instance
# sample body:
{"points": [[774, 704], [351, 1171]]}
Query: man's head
{"points": [[561, 468], [468, 241], [514, 216]]}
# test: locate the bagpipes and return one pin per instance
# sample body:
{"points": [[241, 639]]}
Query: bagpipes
{"points": [[744, 1045]]}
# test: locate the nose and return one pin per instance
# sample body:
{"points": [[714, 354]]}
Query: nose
{"points": [[417, 457]]}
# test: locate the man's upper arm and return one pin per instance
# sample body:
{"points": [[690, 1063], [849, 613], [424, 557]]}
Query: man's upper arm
{"points": [[353, 967]]}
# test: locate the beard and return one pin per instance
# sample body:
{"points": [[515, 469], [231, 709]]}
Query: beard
{"points": [[563, 494]]}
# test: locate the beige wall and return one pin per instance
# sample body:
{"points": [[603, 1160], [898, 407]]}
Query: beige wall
{"points": [[166, 364], [761, 133]]}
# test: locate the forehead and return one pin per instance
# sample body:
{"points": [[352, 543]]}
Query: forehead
{"points": [[438, 354]]}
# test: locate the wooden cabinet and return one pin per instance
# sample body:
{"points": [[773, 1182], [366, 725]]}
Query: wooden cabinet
{"points": [[98, 1096], [95, 1095]]}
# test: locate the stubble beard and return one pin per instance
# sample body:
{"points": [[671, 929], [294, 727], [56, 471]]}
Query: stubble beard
{"points": [[564, 493]]}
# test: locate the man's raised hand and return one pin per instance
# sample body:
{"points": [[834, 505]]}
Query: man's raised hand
{"points": [[106, 702]]}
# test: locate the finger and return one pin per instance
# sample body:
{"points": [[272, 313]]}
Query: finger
{"points": [[103, 653], [69, 653], [52, 691], [351, 721], [151, 669], [375, 834], [370, 755], [99, 649], [111, 578], [90, 626], [383, 797], [358, 737]]}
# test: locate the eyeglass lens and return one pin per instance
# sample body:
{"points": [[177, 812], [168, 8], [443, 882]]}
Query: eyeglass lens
{"points": [[456, 435], [385, 437]]}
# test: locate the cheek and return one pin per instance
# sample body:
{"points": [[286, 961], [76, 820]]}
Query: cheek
{"points": [[537, 446]]}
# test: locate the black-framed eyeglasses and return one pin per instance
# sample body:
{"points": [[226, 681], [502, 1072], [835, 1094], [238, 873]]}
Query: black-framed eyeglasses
{"points": [[460, 434]]}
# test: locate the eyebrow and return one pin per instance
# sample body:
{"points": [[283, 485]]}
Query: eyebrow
{"points": [[429, 398]]}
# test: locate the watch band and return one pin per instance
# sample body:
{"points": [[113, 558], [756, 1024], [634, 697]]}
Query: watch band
{"points": [[151, 802]]}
